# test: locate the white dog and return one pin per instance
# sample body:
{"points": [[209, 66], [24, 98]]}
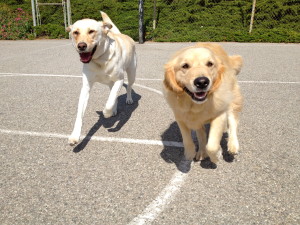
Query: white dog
{"points": [[106, 55]]}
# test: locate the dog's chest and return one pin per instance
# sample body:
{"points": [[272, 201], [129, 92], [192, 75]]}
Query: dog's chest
{"points": [[194, 115], [194, 119], [102, 71]]}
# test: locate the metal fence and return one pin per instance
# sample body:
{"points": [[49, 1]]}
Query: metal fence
{"points": [[195, 20]]}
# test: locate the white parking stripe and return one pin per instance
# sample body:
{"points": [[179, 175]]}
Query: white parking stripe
{"points": [[164, 198], [36, 75], [143, 79], [267, 82], [95, 138], [148, 88]]}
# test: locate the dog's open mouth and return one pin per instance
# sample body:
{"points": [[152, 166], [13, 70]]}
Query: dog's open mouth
{"points": [[86, 57], [197, 96]]}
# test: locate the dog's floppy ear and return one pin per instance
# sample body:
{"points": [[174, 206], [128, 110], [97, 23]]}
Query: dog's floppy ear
{"points": [[170, 81], [69, 28], [106, 26], [236, 61], [218, 79]]}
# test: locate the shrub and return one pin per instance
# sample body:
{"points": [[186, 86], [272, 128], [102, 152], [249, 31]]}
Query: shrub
{"points": [[176, 20], [14, 24], [51, 31]]}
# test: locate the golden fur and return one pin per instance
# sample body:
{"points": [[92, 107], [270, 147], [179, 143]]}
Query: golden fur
{"points": [[201, 87]]}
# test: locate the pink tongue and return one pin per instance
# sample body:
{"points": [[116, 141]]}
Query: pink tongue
{"points": [[200, 95], [85, 57]]}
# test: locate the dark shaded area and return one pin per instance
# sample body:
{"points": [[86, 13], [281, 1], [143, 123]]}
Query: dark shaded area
{"points": [[124, 113], [174, 154]]}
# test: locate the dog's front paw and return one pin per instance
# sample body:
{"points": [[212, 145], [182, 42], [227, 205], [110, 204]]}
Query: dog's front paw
{"points": [[109, 113], [233, 147], [214, 156], [73, 140], [213, 152], [129, 101]]}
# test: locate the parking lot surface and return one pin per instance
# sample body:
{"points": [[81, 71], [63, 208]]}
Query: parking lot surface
{"points": [[129, 169]]}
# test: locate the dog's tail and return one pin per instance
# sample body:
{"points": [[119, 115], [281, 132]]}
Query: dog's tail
{"points": [[106, 19], [236, 62]]}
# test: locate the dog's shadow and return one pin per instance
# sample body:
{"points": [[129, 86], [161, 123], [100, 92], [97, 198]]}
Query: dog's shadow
{"points": [[124, 114], [174, 154]]}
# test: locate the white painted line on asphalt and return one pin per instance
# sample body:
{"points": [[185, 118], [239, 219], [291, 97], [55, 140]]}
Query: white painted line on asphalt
{"points": [[148, 88], [267, 82], [36, 75], [241, 81], [165, 197], [58, 75], [95, 138], [142, 79], [148, 79]]}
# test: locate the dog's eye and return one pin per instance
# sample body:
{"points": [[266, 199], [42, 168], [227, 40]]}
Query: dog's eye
{"points": [[209, 64], [185, 66], [91, 31], [75, 32]]}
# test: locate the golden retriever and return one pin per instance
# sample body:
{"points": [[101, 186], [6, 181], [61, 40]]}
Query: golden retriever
{"points": [[201, 88]]}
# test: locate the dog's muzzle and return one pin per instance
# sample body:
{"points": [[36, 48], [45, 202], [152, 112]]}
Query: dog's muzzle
{"points": [[198, 97], [201, 83], [86, 57]]}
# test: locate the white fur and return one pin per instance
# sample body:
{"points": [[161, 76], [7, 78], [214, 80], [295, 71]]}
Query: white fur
{"points": [[115, 55]]}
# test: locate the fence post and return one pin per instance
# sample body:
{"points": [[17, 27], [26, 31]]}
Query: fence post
{"points": [[154, 14], [141, 22], [69, 12], [33, 13], [252, 16]]}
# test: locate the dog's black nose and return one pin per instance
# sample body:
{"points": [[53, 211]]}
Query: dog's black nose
{"points": [[82, 46], [201, 82]]}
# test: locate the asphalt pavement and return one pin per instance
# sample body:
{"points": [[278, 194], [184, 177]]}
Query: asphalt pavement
{"points": [[129, 169]]}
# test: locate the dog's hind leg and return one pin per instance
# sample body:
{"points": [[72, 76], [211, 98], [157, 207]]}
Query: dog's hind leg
{"points": [[111, 104], [131, 72], [83, 100]]}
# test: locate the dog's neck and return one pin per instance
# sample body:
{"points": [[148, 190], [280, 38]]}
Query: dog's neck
{"points": [[105, 51]]}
